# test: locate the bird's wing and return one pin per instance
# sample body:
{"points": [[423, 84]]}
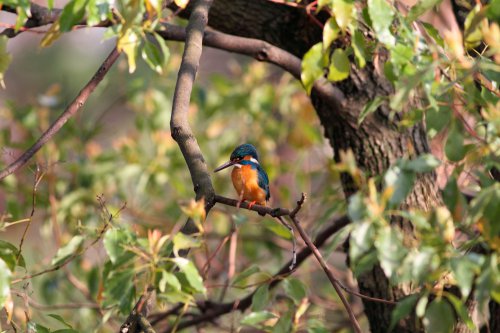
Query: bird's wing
{"points": [[263, 181]]}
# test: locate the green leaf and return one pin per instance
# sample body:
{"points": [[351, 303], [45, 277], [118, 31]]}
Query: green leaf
{"points": [[114, 241], [72, 14], [422, 305], [381, 15], [340, 66], [68, 250], [313, 65], [391, 252], [370, 107], [461, 310], [277, 228], [330, 32], [245, 274], [191, 273], [453, 198], [358, 45], [119, 290], [485, 211], [33, 327], [182, 241], [421, 7], [152, 56], [60, 319], [423, 163], [464, 271], [260, 298], [361, 240], [295, 289], [170, 279], [5, 275], [255, 318], [5, 58], [403, 309], [454, 148], [8, 252], [401, 181], [439, 317], [343, 12], [437, 119], [284, 324]]}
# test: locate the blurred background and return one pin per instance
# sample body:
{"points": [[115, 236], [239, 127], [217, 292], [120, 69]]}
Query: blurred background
{"points": [[119, 146]]}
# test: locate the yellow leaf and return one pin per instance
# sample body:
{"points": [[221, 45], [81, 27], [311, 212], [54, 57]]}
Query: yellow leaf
{"points": [[181, 3], [128, 43], [51, 35]]}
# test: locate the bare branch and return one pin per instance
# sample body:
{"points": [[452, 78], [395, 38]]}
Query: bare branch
{"points": [[70, 111], [261, 51], [335, 282]]}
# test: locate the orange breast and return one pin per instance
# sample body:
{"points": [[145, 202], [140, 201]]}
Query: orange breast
{"points": [[246, 184]]}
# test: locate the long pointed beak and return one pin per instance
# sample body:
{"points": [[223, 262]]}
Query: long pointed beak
{"points": [[225, 165]]}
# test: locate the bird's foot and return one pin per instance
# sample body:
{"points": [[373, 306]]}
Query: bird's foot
{"points": [[250, 204]]}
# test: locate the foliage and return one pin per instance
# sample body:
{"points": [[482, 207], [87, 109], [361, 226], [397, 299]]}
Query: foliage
{"points": [[454, 77]]}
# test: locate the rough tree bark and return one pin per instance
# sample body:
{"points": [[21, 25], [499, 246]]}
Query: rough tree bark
{"points": [[377, 143]]}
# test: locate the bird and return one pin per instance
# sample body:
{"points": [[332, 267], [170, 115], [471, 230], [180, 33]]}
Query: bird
{"points": [[249, 179]]}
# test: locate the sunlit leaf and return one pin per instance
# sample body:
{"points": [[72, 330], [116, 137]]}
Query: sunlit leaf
{"points": [[5, 58], [330, 32], [339, 66], [68, 250], [181, 3], [343, 11], [389, 243], [313, 65], [5, 275], [191, 273], [359, 47], [381, 15], [255, 318]]}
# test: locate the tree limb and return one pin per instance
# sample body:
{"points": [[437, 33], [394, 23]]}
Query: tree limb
{"points": [[179, 124], [70, 111]]}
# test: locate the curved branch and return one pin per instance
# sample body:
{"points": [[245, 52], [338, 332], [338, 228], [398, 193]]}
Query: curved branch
{"points": [[179, 124], [261, 51], [70, 111]]}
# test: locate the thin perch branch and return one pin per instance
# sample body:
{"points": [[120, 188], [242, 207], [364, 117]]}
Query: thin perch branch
{"points": [[70, 111], [335, 283]]}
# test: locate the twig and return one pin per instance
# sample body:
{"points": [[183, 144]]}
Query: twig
{"points": [[38, 178], [107, 222], [70, 111], [49, 307], [335, 283], [294, 242], [261, 51], [263, 210]]}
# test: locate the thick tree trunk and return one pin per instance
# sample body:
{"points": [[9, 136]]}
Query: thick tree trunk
{"points": [[377, 143]]}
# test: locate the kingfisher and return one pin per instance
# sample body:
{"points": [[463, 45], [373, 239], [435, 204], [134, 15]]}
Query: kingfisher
{"points": [[249, 179]]}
